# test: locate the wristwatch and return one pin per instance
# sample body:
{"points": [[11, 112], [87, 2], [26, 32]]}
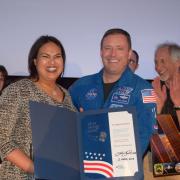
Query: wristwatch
{"points": [[177, 108]]}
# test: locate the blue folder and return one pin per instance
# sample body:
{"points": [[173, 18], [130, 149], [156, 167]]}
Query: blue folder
{"points": [[62, 139]]}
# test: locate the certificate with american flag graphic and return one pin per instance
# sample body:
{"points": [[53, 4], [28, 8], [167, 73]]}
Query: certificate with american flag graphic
{"points": [[109, 148]]}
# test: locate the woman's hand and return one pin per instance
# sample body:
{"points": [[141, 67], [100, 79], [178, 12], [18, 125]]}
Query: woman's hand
{"points": [[81, 109], [21, 160]]}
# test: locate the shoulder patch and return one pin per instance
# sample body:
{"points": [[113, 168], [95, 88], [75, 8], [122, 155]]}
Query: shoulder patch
{"points": [[148, 96]]}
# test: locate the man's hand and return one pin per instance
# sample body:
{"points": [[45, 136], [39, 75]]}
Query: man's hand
{"points": [[175, 89], [161, 94]]}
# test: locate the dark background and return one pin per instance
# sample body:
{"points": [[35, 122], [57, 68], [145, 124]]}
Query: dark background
{"points": [[63, 81]]}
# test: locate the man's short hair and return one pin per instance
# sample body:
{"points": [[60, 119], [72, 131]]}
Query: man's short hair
{"points": [[117, 31]]}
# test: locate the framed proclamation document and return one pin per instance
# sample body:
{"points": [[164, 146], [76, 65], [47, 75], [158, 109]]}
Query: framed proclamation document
{"points": [[109, 146], [92, 145]]}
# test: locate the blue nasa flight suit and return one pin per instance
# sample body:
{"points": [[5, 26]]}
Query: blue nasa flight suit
{"points": [[87, 92]]}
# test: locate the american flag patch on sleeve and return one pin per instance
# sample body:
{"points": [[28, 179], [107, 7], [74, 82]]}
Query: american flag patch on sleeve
{"points": [[148, 96]]}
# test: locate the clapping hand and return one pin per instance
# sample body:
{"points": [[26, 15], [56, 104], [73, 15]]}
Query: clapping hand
{"points": [[161, 94], [175, 89]]}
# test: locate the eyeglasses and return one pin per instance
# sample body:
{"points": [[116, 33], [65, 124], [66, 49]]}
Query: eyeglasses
{"points": [[132, 61]]}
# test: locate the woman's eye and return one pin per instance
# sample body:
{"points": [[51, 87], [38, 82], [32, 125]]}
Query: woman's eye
{"points": [[44, 56]]}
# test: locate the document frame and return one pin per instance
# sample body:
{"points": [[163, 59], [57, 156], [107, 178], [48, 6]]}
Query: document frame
{"points": [[98, 114], [59, 142]]}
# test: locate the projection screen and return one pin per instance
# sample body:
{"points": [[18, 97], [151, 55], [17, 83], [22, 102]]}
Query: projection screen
{"points": [[80, 25]]}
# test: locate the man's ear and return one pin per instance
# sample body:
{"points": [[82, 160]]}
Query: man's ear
{"points": [[101, 53], [130, 52]]}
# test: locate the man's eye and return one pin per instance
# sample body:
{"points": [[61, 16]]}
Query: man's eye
{"points": [[107, 48], [120, 48], [162, 61]]}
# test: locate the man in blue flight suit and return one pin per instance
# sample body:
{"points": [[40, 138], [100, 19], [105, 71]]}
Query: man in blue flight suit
{"points": [[117, 86]]}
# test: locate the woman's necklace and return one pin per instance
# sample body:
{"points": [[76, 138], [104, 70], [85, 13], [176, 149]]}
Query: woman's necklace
{"points": [[54, 92], [57, 94]]}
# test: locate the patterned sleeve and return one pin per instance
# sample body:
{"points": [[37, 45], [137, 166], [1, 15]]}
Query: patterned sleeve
{"points": [[9, 114]]}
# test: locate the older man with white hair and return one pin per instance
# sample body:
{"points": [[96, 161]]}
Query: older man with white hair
{"points": [[167, 85], [167, 88]]}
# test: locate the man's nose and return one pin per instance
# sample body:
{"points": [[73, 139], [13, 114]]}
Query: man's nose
{"points": [[113, 52], [158, 67]]}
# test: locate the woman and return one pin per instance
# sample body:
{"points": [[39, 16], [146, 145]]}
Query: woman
{"points": [[46, 63], [3, 77]]}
